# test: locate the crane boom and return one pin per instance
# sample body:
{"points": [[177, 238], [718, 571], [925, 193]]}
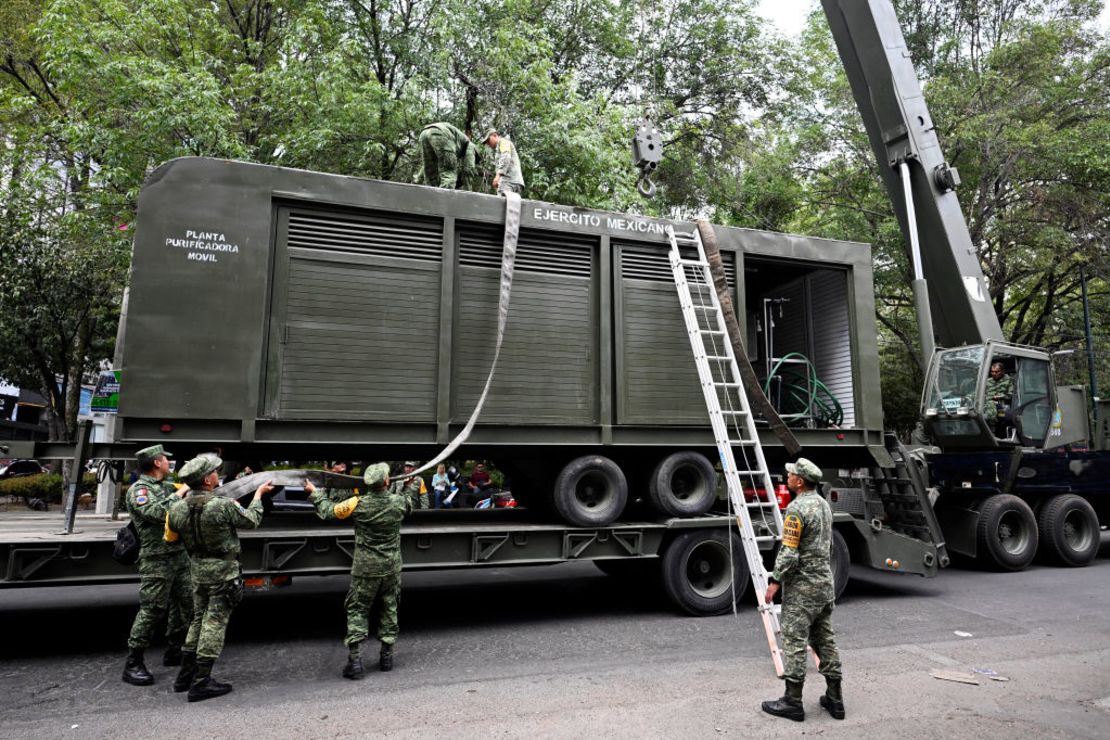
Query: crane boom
{"points": [[888, 94]]}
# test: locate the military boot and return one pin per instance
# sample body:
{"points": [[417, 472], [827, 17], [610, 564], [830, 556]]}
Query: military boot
{"points": [[353, 669], [172, 656], [187, 673], [134, 671], [204, 686], [385, 659], [832, 700], [790, 705]]}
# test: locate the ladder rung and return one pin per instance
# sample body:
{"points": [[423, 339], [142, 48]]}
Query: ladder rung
{"points": [[749, 472], [714, 332], [695, 263], [717, 357], [734, 413], [727, 384]]}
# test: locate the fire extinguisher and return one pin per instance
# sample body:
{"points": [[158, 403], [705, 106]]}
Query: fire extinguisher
{"points": [[782, 495]]}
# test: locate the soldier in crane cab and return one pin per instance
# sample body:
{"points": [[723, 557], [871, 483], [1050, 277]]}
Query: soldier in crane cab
{"points": [[997, 398], [803, 570]]}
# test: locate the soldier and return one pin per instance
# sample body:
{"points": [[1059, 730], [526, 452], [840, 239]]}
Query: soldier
{"points": [[342, 467], [999, 393], [165, 589], [207, 525], [507, 175], [448, 156], [804, 570], [376, 570], [412, 487]]}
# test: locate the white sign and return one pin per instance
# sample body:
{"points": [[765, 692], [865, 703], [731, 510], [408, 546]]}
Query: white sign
{"points": [[203, 246], [634, 224]]}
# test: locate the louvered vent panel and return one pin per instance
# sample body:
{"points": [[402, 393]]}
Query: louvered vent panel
{"points": [[546, 252], [383, 235], [548, 372], [655, 265], [832, 343]]}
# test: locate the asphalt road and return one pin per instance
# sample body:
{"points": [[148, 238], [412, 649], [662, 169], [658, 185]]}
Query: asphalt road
{"points": [[566, 651]]}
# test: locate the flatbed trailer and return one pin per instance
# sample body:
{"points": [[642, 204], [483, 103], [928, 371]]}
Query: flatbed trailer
{"points": [[692, 555]]}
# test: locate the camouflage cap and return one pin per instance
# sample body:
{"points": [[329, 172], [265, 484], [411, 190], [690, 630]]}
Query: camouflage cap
{"points": [[489, 133], [375, 475], [410, 463], [196, 469], [804, 469], [147, 454]]}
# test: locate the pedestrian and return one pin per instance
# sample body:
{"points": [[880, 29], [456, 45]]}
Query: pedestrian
{"points": [[412, 486], [440, 484], [165, 587], [207, 525], [376, 570], [448, 156], [803, 569], [507, 175]]}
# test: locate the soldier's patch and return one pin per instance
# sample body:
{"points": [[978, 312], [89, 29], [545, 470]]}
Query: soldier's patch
{"points": [[345, 508], [140, 498], [240, 507], [791, 531], [169, 535]]}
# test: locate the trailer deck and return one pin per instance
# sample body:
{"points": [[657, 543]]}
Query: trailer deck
{"points": [[34, 551]]}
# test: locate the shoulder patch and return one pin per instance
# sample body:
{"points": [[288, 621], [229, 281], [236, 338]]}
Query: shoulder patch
{"points": [[345, 508], [141, 498], [502, 146], [791, 531], [240, 507]]}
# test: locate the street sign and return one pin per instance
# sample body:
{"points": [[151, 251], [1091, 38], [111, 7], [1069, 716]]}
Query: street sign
{"points": [[105, 398]]}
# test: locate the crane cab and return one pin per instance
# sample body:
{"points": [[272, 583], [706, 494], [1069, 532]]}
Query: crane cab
{"points": [[987, 396]]}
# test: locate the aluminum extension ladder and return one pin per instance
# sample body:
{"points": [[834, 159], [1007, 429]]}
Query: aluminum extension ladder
{"points": [[730, 416]]}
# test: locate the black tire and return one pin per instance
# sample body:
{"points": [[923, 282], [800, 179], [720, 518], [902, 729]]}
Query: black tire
{"points": [[1006, 535], [696, 572], [683, 484], [841, 564], [1069, 530], [590, 491]]}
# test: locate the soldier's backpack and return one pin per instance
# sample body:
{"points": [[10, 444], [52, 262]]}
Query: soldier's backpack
{"points": [[126, 549]]}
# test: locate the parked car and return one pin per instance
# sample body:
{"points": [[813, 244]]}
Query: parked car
{"points": [[20, 468]]}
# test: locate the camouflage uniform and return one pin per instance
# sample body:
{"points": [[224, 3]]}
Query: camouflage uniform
{"points": [[207, 525], [165, 587], [804, 568], [506, 164], [448, 157], [376, 570], [413, 488], [999, 394]]}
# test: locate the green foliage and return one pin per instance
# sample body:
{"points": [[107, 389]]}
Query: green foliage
{"points": [[760, 132], [46, 486]]}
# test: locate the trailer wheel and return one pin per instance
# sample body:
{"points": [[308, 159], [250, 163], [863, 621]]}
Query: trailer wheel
{"points": [[684, 484], [841, 562], [1069, 530], [590, 491], [697, 575], [1006, 534]]}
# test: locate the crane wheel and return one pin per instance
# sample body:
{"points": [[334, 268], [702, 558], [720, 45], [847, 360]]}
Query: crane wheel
{"points": [[1069, 530], [1006, 534]]}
